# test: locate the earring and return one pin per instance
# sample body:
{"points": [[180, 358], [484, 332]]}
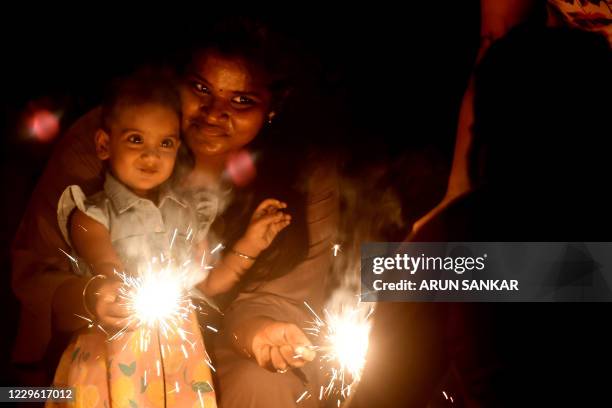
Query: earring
{"points": [[271, 116]]}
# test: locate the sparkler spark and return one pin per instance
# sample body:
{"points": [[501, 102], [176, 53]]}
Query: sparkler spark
{"points": [[345, 340], [203, 259], [156, 299], [68, 255], [210, 365], [173, 238], [161, 313], [301, 397], [448, 397]]}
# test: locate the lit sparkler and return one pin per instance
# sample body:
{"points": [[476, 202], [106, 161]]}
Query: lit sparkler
{"points": [[344, 339], [157, 298]]}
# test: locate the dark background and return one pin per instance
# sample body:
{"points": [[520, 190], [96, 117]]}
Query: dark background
{"points": [[390, 80]]}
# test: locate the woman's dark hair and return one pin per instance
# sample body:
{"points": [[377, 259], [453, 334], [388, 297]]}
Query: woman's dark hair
{"points": [[264, 49]]}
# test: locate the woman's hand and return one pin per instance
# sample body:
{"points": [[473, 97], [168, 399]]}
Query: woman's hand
{"points": [[102, 298], [267, 221], [280, 345]]}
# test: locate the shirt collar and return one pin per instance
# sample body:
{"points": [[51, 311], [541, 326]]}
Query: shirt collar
{"points": [[122, 198]]}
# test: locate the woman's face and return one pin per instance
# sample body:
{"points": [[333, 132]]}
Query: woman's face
{"points": [[225, 104]]}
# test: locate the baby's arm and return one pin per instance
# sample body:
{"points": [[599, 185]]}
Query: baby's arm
{"points": [[92, 243], [267, 221]]}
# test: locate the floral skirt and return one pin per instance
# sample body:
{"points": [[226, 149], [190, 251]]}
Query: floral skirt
{"points": [[143, 368]]}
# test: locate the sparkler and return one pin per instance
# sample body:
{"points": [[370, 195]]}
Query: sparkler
{"points": [[160, 306], [157, 299], [344, 339], [160, 310]]}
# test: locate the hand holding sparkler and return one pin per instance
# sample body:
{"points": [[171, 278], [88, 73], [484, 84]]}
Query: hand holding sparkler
{"points": [[280, 345], [92, 242], [101, 298], [344, 336]]}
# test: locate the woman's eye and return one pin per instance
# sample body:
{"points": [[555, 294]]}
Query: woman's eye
{"points": [[243, 100], [200, 88], [167, 143], [136, 139]]}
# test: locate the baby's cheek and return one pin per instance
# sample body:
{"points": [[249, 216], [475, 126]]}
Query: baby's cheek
{"points": [[169, 159]]}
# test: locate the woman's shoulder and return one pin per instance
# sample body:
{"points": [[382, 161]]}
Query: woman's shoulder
{"points": [[74, 159], [80, 134], [321, 175]]}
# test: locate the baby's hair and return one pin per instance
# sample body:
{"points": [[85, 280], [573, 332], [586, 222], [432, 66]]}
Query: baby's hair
{"points": [[147, 86]]}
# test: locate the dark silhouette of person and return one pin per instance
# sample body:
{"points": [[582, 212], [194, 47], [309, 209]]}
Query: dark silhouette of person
{"points": [[542, 116]]}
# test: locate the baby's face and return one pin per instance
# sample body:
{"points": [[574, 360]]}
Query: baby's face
{"points": [[142, 146]]}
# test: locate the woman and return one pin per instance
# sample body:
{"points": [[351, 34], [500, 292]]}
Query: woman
{"points": [[232, 92]]}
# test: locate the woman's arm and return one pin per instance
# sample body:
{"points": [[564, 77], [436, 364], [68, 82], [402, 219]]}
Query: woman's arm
{"points": [[39, 267], [497, 18], [265, 319]]}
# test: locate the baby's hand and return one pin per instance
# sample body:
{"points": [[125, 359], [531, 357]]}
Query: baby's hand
{"points": [[267, 221], [104, 303]]}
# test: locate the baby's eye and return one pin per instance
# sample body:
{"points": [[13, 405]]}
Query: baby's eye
{"points": [[136, 139], [167, 143], [243, 100]]}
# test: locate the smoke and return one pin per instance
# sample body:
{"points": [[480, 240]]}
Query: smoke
{"points": [[370, 210]]}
